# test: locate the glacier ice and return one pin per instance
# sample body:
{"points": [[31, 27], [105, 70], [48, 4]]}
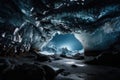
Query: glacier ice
{"points": [[32, 23]]}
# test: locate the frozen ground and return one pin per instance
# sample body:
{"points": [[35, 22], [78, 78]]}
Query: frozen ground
{"points": [[78, 70]]}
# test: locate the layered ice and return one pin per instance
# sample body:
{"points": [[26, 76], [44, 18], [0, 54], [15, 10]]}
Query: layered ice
{"points": [[32, 23]]}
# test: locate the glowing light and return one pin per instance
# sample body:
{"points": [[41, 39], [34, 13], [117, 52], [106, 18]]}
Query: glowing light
{"points": [[72, 62], [64, 43], [46, 53], [80, 65], [81, 51]]}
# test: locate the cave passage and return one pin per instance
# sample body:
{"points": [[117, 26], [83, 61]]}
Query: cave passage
{"points": [[63, 44]]}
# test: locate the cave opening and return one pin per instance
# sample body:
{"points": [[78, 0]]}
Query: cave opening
{"points": [[66, 44]]}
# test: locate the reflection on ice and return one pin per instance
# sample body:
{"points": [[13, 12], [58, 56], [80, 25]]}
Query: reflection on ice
{"points": [[46, 53], [80, 65], [72, 62]]}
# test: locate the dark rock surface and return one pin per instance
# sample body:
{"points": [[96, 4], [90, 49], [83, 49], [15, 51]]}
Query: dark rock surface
{"points": [[26, 69], [111, 56], [85, 71], [106, 58], [78, 56], [66, 73], [74, 66]]}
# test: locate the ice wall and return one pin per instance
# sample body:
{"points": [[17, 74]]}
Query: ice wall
{"points": [[32, 23]]}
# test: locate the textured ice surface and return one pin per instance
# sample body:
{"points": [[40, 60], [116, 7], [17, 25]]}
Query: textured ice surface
{"points": [[32, 23]]}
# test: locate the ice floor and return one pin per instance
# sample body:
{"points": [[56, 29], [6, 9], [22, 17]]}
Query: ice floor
{"points": [[77, 70]]}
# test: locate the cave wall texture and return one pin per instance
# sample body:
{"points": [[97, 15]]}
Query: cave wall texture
{"points": [[32, 23]]}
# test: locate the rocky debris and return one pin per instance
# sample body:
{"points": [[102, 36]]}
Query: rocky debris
{"points": [[51, 73], [24, 71], [38, 56], [106, 58], [66, 73], [55, 57], [78, 56], [74, 66], [111, 56], [14, 69], [63, 55], [42, 58], [82, 75]]}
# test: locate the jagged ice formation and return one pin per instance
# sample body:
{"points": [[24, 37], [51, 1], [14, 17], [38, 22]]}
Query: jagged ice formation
{"points": [[32, 23]]}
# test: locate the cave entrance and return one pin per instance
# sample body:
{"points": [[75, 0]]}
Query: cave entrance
{"points": [[66, 44]]}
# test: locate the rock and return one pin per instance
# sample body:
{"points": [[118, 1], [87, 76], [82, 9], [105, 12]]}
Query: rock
{"points": [[65, 73], [74, 66], [63, 55], [106, 58], [24, 71], [110, 56], [51, 74], [40, 57], [4, 63], [12, 69], [78, 56], [55, 57]]}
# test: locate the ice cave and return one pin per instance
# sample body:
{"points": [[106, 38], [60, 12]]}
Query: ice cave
{"points": [[66, 43], [59, 39]]}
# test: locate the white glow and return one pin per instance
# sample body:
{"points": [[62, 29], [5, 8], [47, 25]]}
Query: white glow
{"points": [[72, 62], [81, 51], [3, 35], [55, 68], [32, 9], [81, 38], [16, 30], [47, 53], [80, 65], [23, 11]]}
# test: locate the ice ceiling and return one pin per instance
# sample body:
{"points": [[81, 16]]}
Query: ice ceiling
{"points": [[32, 23]]}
